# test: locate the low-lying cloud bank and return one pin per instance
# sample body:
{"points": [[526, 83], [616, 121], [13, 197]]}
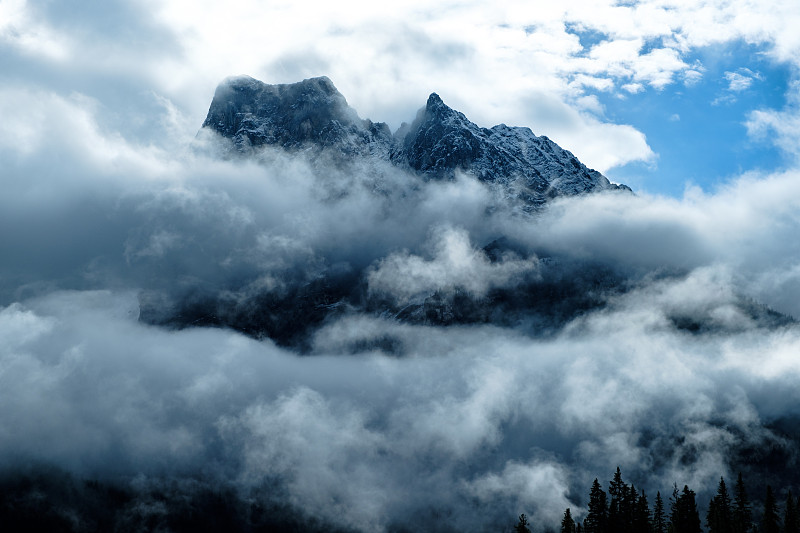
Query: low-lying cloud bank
{"points": [[677, 373], [482, 422]]}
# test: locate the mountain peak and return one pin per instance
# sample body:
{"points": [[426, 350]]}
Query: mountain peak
{"points": [[321, 84], [318, 83], [434, 101], [238, 82], [313, 114], [253, 113], [435, 109]]}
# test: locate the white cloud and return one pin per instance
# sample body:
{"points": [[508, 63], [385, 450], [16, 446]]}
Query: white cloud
{"points": [[741, 80], [633, 88], [692, 77], [455, 264], [20, 28], [599, 84], [781, 127], [469, 419], [39, 121], [658, 67], [539, 487], [738, 82]]}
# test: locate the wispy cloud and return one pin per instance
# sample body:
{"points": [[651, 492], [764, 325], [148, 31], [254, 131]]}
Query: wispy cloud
{"points": [[738, 81], [781, 127], [742, 79]]}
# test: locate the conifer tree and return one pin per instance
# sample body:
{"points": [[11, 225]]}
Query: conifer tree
{"points": [[712, 516], [617, 491], [673, 508], [596, 518], [791, 521], [522, 525], [770, 521], [567, 523], [742, 515], [692, 514], [642, 521], [719, 518], [685, 518], [659, 519], [628, 508]]}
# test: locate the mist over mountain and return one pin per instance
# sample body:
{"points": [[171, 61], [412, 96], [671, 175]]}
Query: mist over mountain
{"points": [[506, 282], [301, 320]]}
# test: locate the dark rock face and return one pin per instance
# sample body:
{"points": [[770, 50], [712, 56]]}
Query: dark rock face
{"points": [[252, 113], [441, 140]]}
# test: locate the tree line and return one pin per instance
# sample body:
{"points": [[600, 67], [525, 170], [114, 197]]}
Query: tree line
{"points": [[625, 509]]}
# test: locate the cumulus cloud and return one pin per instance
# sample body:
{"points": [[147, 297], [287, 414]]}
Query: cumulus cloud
{"points": [[455, 264], [633, 88]]}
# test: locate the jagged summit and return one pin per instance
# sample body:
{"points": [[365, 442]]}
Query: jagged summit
{"points": [[435, 103], [253, 113], [435, 109], [313, 114], [440, 140]]}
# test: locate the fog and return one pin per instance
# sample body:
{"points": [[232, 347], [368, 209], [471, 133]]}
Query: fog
{"points": [[380, 422]]}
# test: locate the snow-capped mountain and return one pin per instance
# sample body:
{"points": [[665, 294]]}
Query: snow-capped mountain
{"points": [[482, 274], [441, 140]]}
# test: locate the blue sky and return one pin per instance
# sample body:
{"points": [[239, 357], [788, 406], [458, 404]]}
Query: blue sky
{"points": [[699, 131]]}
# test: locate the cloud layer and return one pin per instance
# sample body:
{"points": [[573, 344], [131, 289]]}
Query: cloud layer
{"points": [[111, 206], [671, 378]]}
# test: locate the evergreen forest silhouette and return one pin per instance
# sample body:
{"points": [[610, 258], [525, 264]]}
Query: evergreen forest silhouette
{"points": [[622, 508]]}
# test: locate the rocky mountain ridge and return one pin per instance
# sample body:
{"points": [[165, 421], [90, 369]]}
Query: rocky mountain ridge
{"points": [[313, 114], [549, 290]]}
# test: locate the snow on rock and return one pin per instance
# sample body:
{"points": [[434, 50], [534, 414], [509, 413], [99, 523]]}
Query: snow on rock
{"points": [[439, 142]]}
